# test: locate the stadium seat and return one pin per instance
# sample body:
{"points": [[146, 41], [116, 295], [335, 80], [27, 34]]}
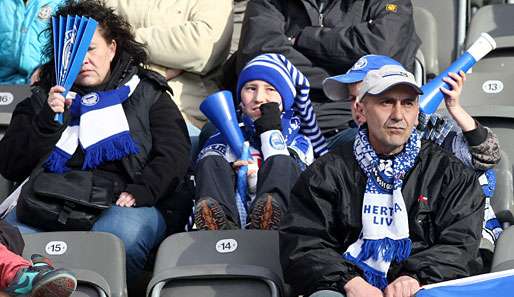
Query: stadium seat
{"points": [[496, 20], [10, 95], [97, 259], [222, 263], [451, 19], [489, 97], [503, 200], [426, 28], [503, 258]]}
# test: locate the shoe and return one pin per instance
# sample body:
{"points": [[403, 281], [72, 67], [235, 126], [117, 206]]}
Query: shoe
{"points": [[209, 215], [266, 213], [42, 280]]}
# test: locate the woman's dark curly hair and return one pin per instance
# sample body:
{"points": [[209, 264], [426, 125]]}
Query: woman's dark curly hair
{"points": [[111, 26]]}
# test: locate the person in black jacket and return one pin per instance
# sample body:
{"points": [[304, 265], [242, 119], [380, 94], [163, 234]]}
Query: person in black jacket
{"points": [[122, 126], [324, 38], [387, 213]]}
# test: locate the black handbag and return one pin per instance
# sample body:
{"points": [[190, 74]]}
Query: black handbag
{"points": [[68, 201]]}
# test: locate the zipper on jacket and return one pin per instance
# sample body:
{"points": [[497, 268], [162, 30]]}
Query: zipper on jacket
{"points": [[321, 8]]}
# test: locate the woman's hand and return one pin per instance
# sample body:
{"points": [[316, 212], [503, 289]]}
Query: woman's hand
{"points": [[56, 99], [126, 200]]}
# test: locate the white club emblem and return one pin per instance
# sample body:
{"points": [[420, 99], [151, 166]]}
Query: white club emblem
{"points": [[361, 63]]}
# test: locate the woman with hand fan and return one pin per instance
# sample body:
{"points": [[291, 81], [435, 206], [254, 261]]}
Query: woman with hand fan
{"points": [[122, 126]]}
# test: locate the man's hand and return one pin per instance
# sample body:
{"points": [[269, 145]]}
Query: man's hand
{"points": [[172, 73], [126, 200], [452, 101], [358, 287], [404, 286]]}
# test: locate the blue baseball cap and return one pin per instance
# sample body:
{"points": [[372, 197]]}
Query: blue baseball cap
{"points": [[335, 86]]}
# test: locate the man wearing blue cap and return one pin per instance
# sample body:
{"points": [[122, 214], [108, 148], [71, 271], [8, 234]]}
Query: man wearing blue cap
{"points": [[387, 213], [346, 87]]}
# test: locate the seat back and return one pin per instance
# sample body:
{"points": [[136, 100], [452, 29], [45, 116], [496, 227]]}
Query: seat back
{"points": [[221, 263], [503, 258], [10, 96], [426, 28], [498, 22], [451, 18], [97, 259], [503, 200], [489, 97]]}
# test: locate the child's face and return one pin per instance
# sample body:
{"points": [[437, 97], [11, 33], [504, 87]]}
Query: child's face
{"points": [[255, 93]]}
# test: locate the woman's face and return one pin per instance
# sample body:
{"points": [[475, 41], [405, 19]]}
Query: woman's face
{"points": [[97, 63]]}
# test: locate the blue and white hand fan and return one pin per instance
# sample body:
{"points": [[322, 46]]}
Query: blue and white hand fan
{"points": [[72, 36]]}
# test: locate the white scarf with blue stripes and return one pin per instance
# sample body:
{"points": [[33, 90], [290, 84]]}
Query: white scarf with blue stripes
{"points": [[385, 227], [98, 123]]}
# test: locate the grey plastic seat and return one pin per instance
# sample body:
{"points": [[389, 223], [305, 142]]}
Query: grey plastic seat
{"points": [[218, 263], [489, 97], [10, 95], [503, 258], [426, 28], [503, 200], [496, 20], [451, 19], [97, 259]]}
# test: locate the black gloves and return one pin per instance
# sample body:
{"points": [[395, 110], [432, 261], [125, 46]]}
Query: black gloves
{"points": [[270, 118]]}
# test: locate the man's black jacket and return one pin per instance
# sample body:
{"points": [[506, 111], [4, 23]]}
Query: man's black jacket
{"points": [[445, 208], [328, 39]]}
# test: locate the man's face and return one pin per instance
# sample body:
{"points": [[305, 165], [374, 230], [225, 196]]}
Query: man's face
{"points": [[391, 116]]}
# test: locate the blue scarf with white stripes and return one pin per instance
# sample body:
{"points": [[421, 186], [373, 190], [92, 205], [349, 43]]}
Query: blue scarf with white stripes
{"points": [[99, 125], [385, 227]]}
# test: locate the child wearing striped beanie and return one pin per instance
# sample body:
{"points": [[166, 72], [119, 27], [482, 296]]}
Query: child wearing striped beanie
{"points": [[278, 121]]}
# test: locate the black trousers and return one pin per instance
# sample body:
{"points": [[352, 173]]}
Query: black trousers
{"points": [[215, 178]]}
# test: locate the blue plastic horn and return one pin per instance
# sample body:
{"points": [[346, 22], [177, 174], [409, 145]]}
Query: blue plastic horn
{"points": [[219, 109], [432, 96]]}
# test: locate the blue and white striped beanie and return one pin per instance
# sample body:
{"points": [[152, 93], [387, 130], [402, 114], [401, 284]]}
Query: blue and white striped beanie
{"points": [[294, 89]]}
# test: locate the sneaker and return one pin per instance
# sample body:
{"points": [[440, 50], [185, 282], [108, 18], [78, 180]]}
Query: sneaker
{"points": [[266, 213], [209, 215], [42, 280]]}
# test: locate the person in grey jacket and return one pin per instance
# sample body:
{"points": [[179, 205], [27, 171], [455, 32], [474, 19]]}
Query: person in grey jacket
{"points": [[324, 38]]}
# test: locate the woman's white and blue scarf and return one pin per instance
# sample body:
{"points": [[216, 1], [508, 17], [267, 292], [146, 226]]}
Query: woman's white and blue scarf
{"points": [[385, 228], [98, 123]]}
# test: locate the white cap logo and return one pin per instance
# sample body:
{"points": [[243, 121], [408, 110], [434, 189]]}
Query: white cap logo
{"points": [[360, 64]]}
